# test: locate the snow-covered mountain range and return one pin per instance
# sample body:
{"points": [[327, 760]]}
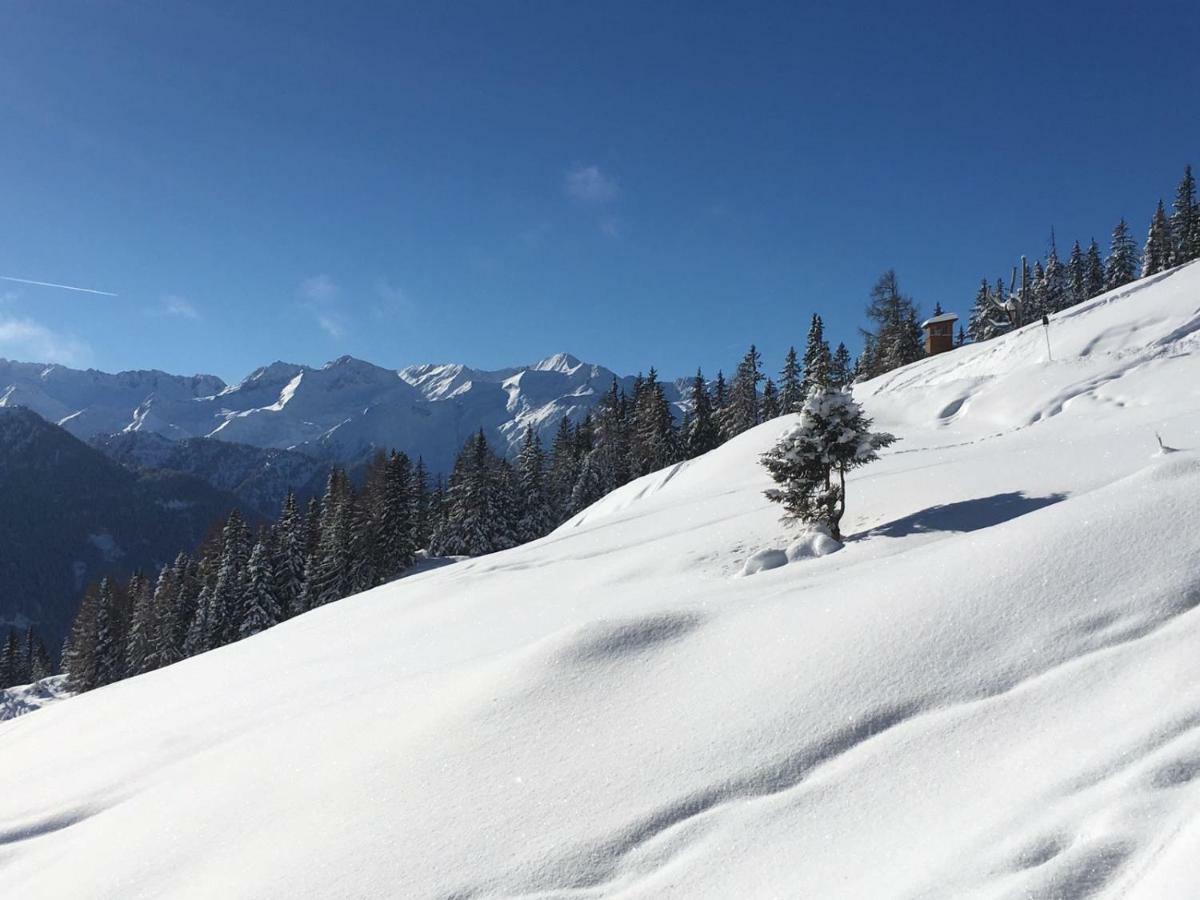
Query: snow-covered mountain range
{"points": [[339, 412], [992, 691]]}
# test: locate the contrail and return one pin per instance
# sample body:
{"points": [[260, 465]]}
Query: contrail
{"points": [[65, 287]]}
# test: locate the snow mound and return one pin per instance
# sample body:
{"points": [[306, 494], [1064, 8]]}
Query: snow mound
{"points": [[992, 690]]}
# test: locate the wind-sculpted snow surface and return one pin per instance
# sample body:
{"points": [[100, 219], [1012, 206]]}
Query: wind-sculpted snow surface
{"points": [[992, 691]]}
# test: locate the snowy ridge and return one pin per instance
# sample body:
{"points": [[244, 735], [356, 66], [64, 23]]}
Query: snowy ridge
{"points": [[992, 691], [339, 412]]}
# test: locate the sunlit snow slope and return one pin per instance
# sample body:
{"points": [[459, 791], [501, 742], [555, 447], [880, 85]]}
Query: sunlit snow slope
{"points": [[992, 691]]}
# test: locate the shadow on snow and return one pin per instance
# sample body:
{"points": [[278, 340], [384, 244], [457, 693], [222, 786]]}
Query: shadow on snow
{"points": [[966, 515]]}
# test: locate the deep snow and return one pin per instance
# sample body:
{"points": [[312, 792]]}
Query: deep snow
{"points": [[993, 690]]}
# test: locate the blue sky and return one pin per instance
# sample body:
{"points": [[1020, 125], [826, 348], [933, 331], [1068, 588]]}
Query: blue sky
{"points": [[490, 183]]}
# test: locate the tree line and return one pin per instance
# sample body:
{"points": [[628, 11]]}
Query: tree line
{"points": [[1053, 285], [23, 658]]}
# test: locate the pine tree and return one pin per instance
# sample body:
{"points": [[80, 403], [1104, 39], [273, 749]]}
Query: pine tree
{"points": [[1033, 306], [817, 359], [1122, 265], [225, 601], [110, 649], [260, 601], [979, 324], [653, 438], [1185, 221], [140, 645], [702, 433], [565, 461], [811, 459], [11, 665], [607, 463], [720, 401], [196, 641], [841, 371], [896, 339], [791, 389], [742, 411], [418, 491], [1159, 251], [37, 660], [291, 555], [1076, 276], [165, 644], [537, 516], [961, 338], [79, 650], [328, 571], [1094, 274], [476, 520], [1055, 294], [770, 401]]}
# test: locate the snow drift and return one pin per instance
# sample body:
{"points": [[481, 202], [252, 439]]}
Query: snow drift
{"points": [[993, 689]]}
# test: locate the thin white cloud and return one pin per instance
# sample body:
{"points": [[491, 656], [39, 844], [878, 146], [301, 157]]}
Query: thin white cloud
{"points": [[587, 184], [179, 307], [392, 300], [319, 289], [51, 284], [31, 341], [610, 226], [331, 325]]}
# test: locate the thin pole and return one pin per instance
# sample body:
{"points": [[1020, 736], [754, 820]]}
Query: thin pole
{"points": [[1046, 328]]}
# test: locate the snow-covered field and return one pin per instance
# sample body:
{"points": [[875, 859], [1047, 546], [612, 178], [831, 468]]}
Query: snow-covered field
{"points": [[992, 691]]}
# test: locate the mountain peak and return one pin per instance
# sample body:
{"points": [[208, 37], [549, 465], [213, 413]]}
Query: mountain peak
{"points": [[559, 362]]}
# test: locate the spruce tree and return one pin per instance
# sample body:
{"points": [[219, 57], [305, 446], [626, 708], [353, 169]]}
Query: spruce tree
{"points": [[140, 645], [1122, 265], [741, 413], [536, 514], [11, 665], [565, 460], [702, 433], [817, 359], [476, 520], [979, 324], [1094, 274], [79, 650], [770, 401], [1159, 251], [225, 601], [260, 601], [1076, 276], [841, 370], [1056, 296], [791, 389], [291, 554], [110, 648], [896, 338], [418, 491], [653, 438], [1185, 221], [811, 459]]}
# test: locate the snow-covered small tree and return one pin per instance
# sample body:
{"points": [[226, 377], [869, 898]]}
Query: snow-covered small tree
{"points": [[742, 411], [811, 459], [1076, 276]]}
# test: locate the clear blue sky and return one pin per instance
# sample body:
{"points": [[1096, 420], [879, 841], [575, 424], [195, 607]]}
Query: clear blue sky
{"points": [[635, 183]]}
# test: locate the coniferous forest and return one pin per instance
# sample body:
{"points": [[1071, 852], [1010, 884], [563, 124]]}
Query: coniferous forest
{"points": [[239, 582]]}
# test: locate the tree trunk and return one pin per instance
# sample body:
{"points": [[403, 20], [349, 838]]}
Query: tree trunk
{"points": [[834, 529]]}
